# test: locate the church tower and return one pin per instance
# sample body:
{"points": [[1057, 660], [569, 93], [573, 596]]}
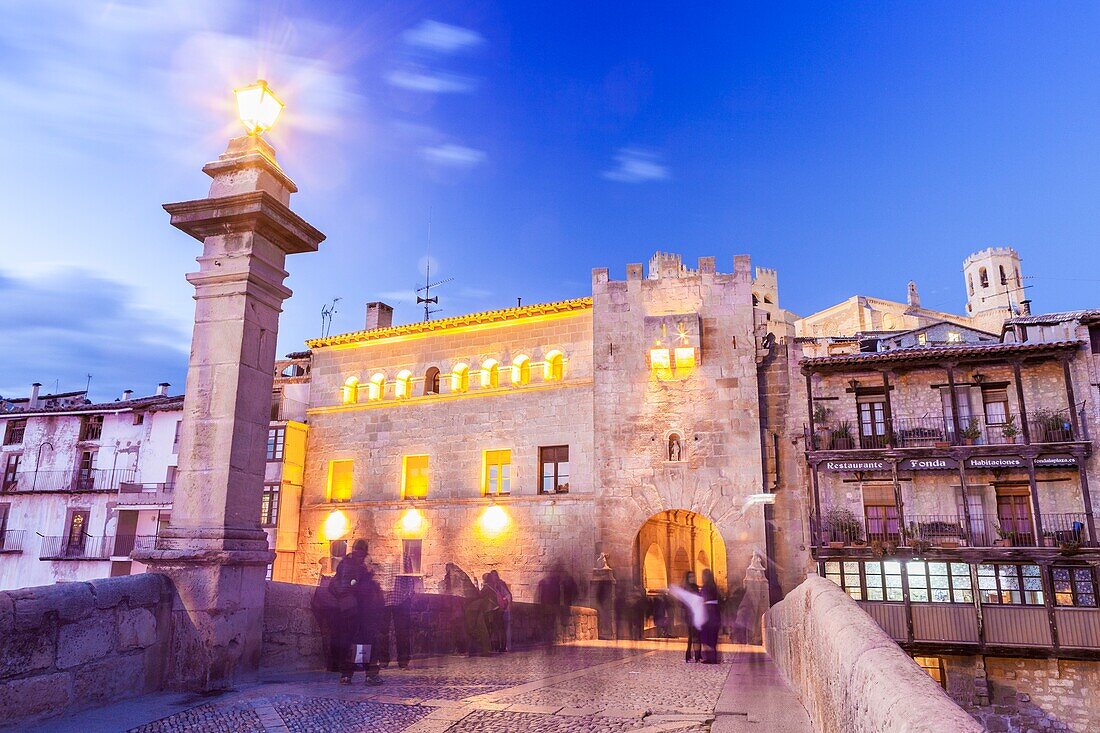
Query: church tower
{"points": [[994, 287]]}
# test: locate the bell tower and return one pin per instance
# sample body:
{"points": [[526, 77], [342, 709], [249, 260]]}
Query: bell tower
{"points": [[994, 287]]}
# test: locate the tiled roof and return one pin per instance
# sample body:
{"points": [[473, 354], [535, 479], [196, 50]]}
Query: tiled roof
{"points": [[152, 404], [298, 355], [935, 353], [443, 324], [1050, 318]]}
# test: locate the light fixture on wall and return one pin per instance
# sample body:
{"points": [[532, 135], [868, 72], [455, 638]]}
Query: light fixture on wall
{"points": [[979, 378], [336, 526], [412, 521], [494, 520], [854, 384]]}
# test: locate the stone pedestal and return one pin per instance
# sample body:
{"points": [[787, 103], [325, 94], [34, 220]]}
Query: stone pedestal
{"points": [[215, 552], [602, 590]]}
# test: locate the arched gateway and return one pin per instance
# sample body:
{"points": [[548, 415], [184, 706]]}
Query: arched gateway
{"points": [[676, 541]]}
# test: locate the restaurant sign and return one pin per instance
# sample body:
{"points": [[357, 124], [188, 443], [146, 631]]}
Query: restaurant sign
{"points": [[869, 465], [1056, 461], [995, 462], [928, 464]]}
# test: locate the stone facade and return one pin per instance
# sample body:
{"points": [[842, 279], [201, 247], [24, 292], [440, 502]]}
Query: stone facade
{"points": [[72, 646]]}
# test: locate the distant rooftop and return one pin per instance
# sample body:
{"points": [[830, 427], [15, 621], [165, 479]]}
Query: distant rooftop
{"points": [[1053, 318]]}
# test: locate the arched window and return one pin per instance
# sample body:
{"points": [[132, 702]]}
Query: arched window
{"points": [[402, 386], [490, 373], [1004, 277], [377, 388], [755, 300], [431, 381], [970, 283], [554, 366], [521, 370], [351, 390], [1018, 283], [460, 378], [983, 278]]}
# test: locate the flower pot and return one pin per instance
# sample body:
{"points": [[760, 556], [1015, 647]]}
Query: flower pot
{"points": [[941, 444], [1002, 543], [948, 544], [833, 545]]}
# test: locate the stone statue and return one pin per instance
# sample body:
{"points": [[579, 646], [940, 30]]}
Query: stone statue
{"points": [[674, 448], [601, 562]]}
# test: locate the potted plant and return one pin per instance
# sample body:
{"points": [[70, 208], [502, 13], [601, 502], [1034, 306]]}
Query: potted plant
{"points": [[841, 436], [1070, 545], [1010, 430], [878, 549], [1053, 427], [821, 428], [972, 431], [843, 527], [914, 538], [1004, 537]]}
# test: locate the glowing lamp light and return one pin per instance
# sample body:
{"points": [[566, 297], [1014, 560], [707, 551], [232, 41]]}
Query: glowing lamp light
{"points": [[494, 520], [685, 357], [412, 521], [258, 107], [660, 358], [336, 526]]}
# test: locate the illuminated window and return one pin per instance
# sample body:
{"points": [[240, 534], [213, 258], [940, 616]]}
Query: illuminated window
{"points": [[554, 469], [498, 472], [460, 378], [377, 388], [340, 479], [431, 381], [922, 339], [882, 580], [660, 359], [846, 575], [521, 370], [1074, 586], [685, 357], [402, 386], [934, 667], [954, 337], [939, 582], [554, 366], [490, 373], [1010, 584], [269, 506], [351, 390], [414, 477]]}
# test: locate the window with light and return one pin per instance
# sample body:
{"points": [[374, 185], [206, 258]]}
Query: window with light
{"points": [[340, 479], [269, 506], [498, 472], [414, 477]]}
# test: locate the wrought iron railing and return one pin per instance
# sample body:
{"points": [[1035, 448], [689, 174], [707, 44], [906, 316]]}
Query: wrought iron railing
{"points": [[933, 432], [83, 547], [925, 531], [125, 544], [96, 479], [133, 494]]}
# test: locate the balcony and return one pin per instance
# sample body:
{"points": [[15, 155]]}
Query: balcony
{"points": [[284, 409], [94, 480], [125, 544], [1067, 532], [938, 432], [145, 495], [11, 541], [85, 547]]}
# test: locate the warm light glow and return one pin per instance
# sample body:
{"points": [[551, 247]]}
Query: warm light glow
{"points": [[660, 359], [336, 526], [258, 107], [554, 367], [402, 388], [521, 370], [377, 388], [415, 473], [351, 390], [685, 357], [494, 520], [412, 521], [490, 373], [341, 474], [460, 378]]}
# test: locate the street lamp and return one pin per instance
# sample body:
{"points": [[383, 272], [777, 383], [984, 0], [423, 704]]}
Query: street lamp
{"points": [[258, 107]]}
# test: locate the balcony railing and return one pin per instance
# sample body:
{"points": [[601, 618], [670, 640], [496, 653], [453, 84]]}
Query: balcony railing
{"points": [[11, 540], [96, 479], [125, 544], [133, 494], [936, 432], [288, 409], [84, 547], [1067, 531]]}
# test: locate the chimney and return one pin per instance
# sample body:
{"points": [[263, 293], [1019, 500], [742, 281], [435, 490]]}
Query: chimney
{"points": [[162, 389], [33, 401], [1025, 307], [127, 394], [379, 315]]}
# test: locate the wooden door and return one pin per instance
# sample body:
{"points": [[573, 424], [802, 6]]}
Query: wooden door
{"points": [[1014, 516], [78, 534]]}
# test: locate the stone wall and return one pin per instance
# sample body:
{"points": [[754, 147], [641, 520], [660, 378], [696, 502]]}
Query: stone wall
{"points": [[73, 646], [849, 674], [1019, 695], [292, 637]]}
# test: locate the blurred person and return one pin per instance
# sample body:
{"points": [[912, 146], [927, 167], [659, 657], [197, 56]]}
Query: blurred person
{"points": [[361, 607], [709, 632], [693, 640]]}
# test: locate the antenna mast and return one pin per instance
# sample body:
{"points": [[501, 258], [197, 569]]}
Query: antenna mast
{"points": [[428, 300], [327, 312]]}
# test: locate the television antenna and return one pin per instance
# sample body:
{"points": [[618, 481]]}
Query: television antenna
{"points": [[327, 312], [428, 300]]}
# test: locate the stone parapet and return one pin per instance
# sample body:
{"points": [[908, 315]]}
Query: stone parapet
{"points": [[73, 646], [849, 674]]}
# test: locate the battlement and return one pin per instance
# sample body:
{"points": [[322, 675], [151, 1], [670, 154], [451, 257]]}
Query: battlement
{"points": [[990, 252], [668, 264]]}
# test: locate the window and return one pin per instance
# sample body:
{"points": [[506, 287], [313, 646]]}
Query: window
{"points": [[882, 580], [521, 370], [872, 420], [995, 400], [939, 582], [340, 479], [15, 431], [276, 438], [269, 506], [11, 472], [376, 390], [91, 427], [1094, 338], [351, 390], [922, 339], [1074, 586], [176, 439], [554, 469], [411, 554], [490, 374], [881, 512], [983, 278], [498, 472], [4, 510], [1010, 584], [954, 337], [1004, 277], [934, 667], [402, 386], [846, 575], [554, 367], [85, 474], [970, 283], [460, 378], [76, 532], [431, 381], [414, 477]]}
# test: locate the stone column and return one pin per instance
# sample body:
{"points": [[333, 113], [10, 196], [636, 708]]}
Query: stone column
{"points": [[215, 552]]}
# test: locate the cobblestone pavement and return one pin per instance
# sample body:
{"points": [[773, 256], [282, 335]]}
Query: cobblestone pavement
{"points": [[596, 688]]}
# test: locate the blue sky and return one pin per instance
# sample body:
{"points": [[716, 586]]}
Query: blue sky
{"points": [[851, 146]]}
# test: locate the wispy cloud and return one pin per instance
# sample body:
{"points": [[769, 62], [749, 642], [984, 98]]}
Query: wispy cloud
{"points": [[453, 155], [432, 82], [635, 165], [398, 296], [441, 37]]}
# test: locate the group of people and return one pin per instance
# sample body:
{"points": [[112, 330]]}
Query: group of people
{"points": [[488, 617]]}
